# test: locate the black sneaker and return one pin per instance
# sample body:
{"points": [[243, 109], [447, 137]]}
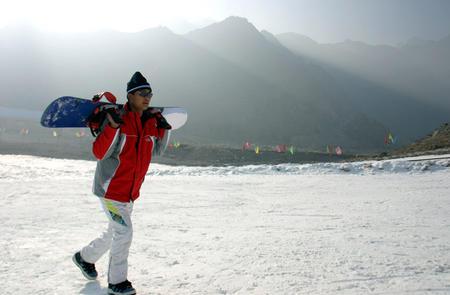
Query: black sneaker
{"points": [[123, 288], [87, 269]]}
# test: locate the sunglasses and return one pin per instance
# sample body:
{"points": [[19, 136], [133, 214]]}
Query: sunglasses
{"points": [[145, 93]]}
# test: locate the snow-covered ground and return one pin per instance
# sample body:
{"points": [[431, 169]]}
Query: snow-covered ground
{"points": [[357, 228]]}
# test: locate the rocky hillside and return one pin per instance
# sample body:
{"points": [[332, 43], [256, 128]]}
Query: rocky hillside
{"points": [[437, 141]]}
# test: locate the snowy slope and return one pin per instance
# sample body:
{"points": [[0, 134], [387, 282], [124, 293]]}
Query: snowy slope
{"points": [[356, 228]]}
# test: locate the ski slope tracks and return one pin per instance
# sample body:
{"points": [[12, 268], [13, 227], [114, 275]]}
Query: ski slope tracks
{"points": [[328, 228]]}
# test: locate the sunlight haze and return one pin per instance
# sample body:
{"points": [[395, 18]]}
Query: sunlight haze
{"points": [[326, 21], [88, 15]]}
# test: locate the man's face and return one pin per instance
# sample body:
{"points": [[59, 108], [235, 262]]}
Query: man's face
{"points": [[140, 100]]}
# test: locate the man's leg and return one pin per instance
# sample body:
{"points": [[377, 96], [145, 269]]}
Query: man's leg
{"points": [[92, 252], [86, 258], [122, 234]]}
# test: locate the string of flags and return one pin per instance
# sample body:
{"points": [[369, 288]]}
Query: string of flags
{"points": [[389, 139], [280, 148], [55, 133]]}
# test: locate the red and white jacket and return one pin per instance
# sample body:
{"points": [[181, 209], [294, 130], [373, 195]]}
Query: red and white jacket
{"points": [[124, 155]]}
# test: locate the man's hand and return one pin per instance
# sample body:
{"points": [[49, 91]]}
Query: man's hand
{"points": [[112, 115], [161, 122], [112, 123]]}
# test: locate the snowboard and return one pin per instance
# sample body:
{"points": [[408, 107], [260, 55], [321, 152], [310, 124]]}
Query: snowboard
{"points": [[73, 112]]}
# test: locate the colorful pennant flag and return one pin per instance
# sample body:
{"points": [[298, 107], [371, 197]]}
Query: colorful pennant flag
{"points": [[246, 146], [291, 149]]}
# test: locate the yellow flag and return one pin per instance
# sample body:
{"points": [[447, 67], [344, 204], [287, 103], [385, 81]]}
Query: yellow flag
{"points": [[391, 138]]}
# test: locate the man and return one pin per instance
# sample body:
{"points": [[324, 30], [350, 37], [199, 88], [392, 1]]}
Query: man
{"points": [[124, 150]]}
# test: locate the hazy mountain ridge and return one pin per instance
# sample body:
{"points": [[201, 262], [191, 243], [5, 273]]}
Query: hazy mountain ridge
{"points": [[337, 96], [417, 68], [253, 88], [312, 93]]}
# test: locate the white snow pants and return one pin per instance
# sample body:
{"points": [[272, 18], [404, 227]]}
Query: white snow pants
{"points": [[117, 238]]}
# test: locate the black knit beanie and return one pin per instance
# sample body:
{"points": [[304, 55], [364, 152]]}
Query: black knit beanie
{"points": [[137, 81]]}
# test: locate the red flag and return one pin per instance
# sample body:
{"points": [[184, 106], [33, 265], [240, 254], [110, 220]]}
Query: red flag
{"points": [[247, 146]]}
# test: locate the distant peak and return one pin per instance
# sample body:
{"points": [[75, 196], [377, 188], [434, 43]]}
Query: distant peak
{"points": [[159, 31], [231, 25], [237, 22], [236, 19]]}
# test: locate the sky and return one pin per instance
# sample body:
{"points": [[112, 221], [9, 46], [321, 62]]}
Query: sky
{"points": [[326, 21]]}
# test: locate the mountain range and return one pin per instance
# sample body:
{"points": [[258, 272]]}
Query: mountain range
{"points": [[241, 84]]}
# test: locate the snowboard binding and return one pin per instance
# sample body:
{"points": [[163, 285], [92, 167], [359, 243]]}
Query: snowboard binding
{"points": [[161, 122]]}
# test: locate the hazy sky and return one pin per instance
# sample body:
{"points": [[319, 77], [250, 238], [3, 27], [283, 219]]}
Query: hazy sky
{"points": [[372, 21]]}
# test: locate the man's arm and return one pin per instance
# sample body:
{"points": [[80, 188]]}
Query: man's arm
{"points": [[103, 144], [161, 142]]}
